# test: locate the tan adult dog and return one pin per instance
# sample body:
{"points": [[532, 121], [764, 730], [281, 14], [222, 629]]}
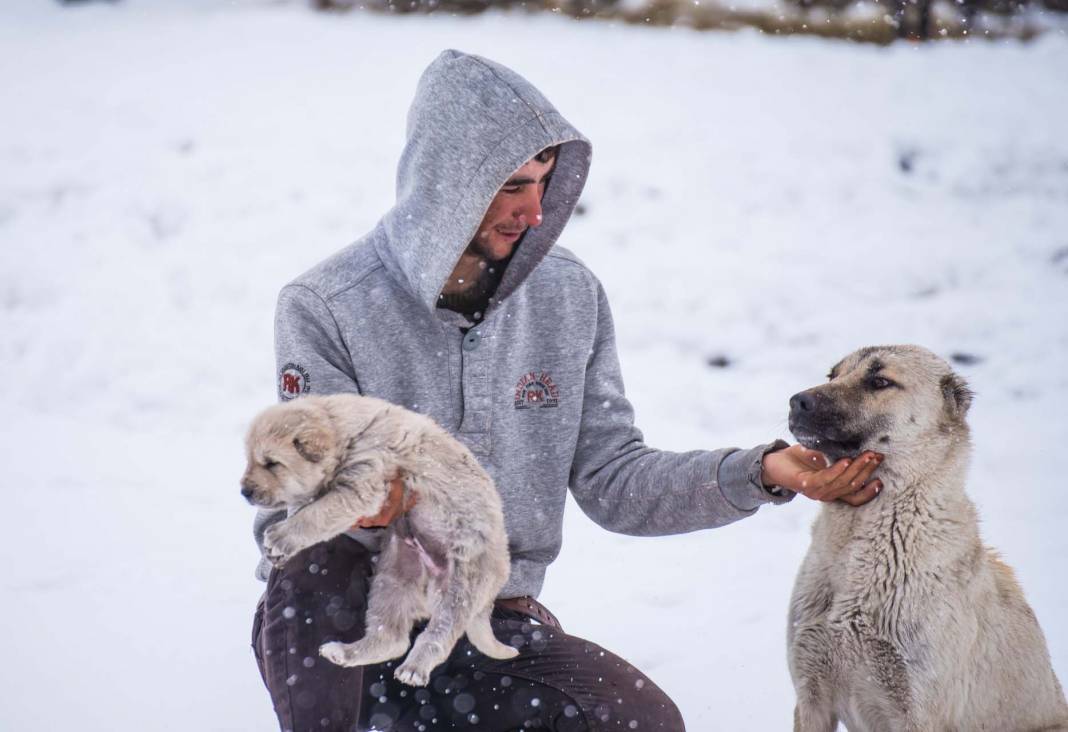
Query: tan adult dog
{"points": [[329, 460], [900, 618]]}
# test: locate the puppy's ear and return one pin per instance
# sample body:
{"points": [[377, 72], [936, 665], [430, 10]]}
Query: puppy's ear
{"points": [[956, 395], [312, 442]]}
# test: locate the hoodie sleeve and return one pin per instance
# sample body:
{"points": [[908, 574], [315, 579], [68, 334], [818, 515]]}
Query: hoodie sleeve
{"points": [[310, 358], [628, 487]]}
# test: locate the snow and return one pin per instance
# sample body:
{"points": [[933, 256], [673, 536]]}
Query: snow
{"points": [[166, 166]]}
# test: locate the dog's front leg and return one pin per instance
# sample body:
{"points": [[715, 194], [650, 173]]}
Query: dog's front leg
{"points": [[320, 520], [812, 671], [810, 717]]}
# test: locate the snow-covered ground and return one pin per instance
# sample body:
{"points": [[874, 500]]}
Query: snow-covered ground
{"points": [[166, 166]]}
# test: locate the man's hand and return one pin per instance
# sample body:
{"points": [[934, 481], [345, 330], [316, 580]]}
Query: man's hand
{"points": [[394, 507], [805, 471]]}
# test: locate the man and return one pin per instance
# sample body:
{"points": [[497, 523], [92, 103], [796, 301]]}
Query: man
{"points": [[458, 305]]}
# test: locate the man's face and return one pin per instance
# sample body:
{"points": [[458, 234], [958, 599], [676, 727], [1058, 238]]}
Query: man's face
{"points": [[516, 206]]}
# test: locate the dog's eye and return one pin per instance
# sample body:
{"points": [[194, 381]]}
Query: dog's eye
{"points": [[270, 464], [878, 382]]}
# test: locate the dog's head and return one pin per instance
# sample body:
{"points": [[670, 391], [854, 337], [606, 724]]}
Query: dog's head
{"points": [[896, 400], [292, 451]]}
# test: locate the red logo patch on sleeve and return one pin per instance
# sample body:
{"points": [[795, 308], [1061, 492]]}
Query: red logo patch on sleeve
{"points": [[293, 380]]}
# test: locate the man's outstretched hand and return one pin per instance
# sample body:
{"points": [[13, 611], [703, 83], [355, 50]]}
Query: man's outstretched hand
{"points": [[805, 471], [394, 507]]}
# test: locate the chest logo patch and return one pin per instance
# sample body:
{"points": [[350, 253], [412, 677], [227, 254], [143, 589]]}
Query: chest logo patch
{"points": [[293, 380], [536, 390]]}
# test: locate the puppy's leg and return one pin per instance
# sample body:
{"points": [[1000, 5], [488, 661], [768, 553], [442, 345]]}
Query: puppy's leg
{"points": [[322, 519], [480, 633], [448, 622], [294, 534], [396, 600]]}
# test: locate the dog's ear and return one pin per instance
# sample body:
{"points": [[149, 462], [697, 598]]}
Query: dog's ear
{"points": [[312, 441], [956, 394]]}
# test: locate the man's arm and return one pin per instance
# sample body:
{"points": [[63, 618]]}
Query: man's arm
{"points": [[310, 358], [310, 355], [629, 487]]}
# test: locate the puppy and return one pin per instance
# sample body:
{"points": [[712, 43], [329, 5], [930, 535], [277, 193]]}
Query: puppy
{"points": [[329, 460], [900, 619]]}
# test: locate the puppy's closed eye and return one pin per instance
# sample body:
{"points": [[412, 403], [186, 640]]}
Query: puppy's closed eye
{"points": [[271, 464]]}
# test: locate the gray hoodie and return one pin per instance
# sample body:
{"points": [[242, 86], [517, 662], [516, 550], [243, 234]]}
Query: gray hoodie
{"points": [[534, 389]]}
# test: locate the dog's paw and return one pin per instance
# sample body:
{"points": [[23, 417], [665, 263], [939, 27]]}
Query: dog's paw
{"points": [[412, 674], [278, 545], [339, 653], [364, 652], [277, 560]]}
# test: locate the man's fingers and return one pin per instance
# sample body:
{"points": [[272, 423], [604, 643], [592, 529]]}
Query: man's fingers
{"points": [[854, 477], [865, 494], [814, 485], [819, 458], [815, 458], [393, 505]]}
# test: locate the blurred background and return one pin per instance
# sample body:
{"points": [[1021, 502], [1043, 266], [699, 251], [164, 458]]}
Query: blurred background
{"points": [[876, 21], [774, 184]]}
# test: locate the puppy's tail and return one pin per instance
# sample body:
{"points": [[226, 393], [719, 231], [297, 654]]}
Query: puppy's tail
{"points": [[481, 636]]}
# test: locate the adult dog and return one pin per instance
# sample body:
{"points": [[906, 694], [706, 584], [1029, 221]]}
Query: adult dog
{"points": [[329, 459], [900, 618]]}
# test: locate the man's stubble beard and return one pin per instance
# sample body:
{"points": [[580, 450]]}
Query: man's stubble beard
{"points": [[476, 297], [489, 276]]}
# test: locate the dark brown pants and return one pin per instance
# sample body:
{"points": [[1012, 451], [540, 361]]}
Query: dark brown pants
{"points": [[558, 681]]}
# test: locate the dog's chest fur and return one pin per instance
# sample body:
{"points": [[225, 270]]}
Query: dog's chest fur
{"points": [[872, 597]]}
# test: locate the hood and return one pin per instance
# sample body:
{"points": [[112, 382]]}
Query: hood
{"points": [[472, 124]]}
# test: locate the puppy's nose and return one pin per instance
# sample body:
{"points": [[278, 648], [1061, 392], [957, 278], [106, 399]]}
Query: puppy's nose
{"points": [[804, 401], [246, 491]]}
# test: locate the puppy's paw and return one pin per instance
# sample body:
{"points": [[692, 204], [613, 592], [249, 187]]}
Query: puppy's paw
{"points": [[412, 674], [339, 653], [277, 560], [364, 652], [279, 545]]}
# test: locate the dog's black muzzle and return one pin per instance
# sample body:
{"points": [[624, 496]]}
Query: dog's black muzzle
{"points": [[815, 420]]}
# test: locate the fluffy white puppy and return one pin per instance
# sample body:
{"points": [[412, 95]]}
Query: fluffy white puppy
{"points": [[329, 460]]}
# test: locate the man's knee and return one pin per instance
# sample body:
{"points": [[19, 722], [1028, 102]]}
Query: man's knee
{"points": [[644, 707], [318, 596], [603, 690]]}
